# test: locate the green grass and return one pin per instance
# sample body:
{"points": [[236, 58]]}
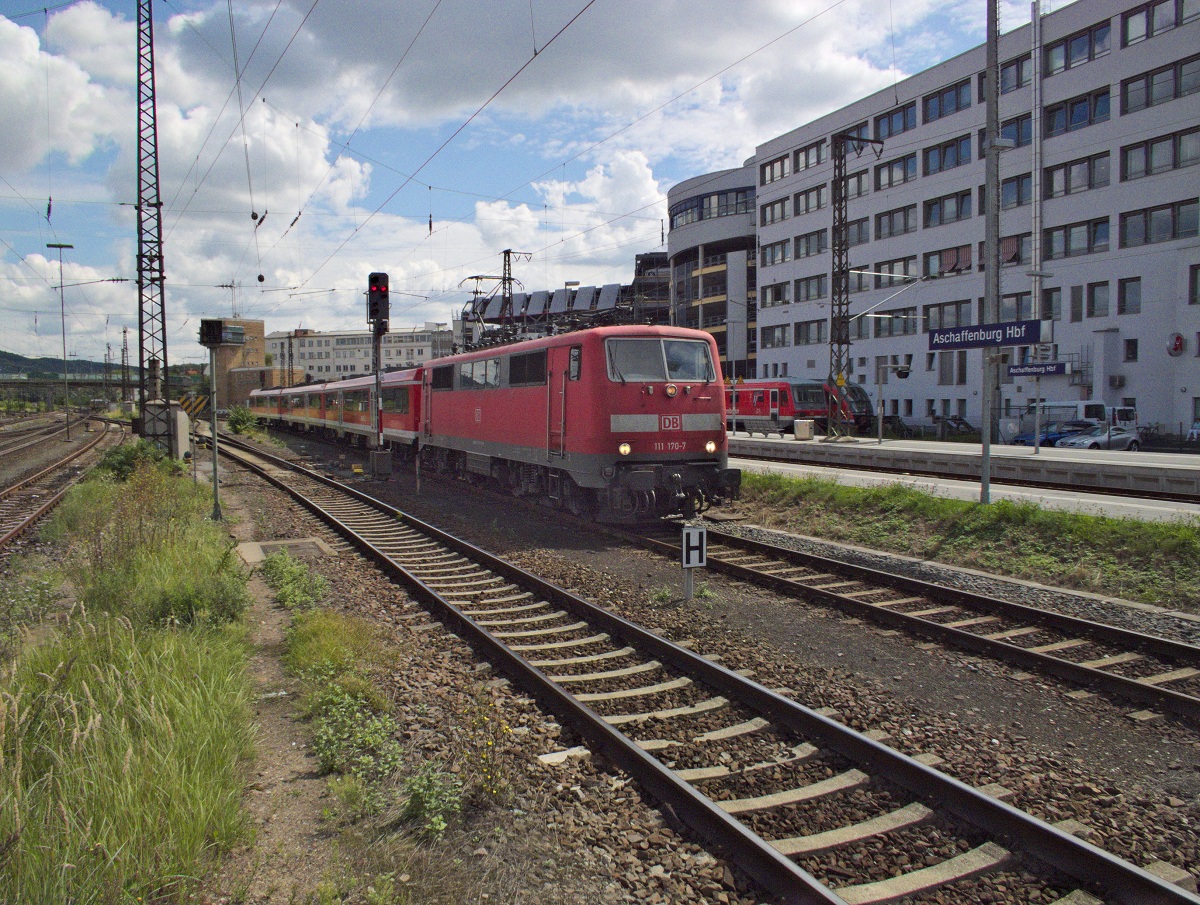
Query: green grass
{"points": [[121, 755], [295, 586], [143, 548], [125, 731], [1152, 562]]}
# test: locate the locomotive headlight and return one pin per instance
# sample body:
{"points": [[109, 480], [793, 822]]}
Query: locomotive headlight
{"points": [[624, 449], [672, 390], [710, 446]]}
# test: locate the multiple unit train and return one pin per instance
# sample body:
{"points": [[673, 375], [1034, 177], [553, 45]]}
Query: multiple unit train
{"points": [[620, 423], [771, 406]]}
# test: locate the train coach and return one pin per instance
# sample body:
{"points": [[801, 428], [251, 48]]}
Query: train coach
{"points": [[772, 406], [621, 423], [343, 410]]}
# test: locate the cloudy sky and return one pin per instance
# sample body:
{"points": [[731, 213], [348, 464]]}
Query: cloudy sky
{"points": [[306, 143]]}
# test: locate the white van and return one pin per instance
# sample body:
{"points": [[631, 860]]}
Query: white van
{"points": [[1085, 410]]}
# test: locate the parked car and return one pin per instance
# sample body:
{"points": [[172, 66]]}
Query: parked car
{"points": [[1103, 436], [1053, 432]]}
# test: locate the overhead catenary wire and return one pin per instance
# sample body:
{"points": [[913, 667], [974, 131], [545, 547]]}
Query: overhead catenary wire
{"points": [[451, 138]]}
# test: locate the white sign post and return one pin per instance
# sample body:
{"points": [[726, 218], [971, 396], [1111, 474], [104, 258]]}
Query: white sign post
{"points": [[693, 554]]}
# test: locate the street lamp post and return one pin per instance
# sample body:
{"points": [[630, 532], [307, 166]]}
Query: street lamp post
{"points": [[62, 303]]}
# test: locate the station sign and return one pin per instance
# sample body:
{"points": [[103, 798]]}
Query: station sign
{"points": [[1009, 333], [1040, 369]]}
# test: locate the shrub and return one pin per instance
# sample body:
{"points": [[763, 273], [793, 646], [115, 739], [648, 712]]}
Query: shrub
{"points": [[295, 585], [433, 799], [240, 419]]}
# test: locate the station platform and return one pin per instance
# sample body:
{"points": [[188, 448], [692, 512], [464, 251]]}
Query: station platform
{"points": [[1154, 474]]}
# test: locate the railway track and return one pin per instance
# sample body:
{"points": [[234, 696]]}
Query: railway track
{"points": [[23, 503], [1158, 672], [815, 812], [20, 438]]}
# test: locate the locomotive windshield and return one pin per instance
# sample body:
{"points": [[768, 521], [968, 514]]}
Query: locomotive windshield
{"points": [[659, 359]]}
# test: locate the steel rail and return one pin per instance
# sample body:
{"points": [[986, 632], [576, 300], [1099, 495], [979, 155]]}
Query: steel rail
{"points": [[1182, 705], [26, 523], [1075, 857]]}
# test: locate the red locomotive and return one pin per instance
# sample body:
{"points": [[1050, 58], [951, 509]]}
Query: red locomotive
{"points": [[621, 423]]}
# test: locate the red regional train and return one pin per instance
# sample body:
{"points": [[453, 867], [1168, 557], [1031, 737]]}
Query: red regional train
{"points": [[770, 406], [621, 423]]}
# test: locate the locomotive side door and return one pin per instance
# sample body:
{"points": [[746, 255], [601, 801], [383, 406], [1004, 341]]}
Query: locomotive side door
{"points": [[774, 405], [564, 366]]}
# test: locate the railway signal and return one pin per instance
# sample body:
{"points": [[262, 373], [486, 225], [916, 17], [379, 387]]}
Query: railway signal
{"points": [[378, 303]]}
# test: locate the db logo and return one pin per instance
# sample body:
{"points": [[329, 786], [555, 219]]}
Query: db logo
{"points": [[670, 422]]}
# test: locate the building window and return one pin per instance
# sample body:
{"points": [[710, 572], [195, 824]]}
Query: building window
{"points": [[1097, 300], [775, 253], [774, 212], [952, 370], [900, 322], [1078, 49], [1018, 130], [1052, 304], [901, 270], [948, 155], [896, 223], [1131, 350], [705, 207], [1155, 18], [1161, 85], [1076, 304], [1016, 306], [809, 333], [1077, 176], [948, 209], [948, 262], [1194, 289], [901, 119], [859, 279], [810, 288], [1159, 224], [1076, 239], [947, 101], [1015, 74], [773, 337], [1013, 250], [1129, 296], [1158, 155], [1016, 191], [773, 295], [774, 170], [812, 243], [811, 199], [948, 314], [896, 172], [858, 184], [858, 232], [1077, 113], [811, 155], [862, 130]]}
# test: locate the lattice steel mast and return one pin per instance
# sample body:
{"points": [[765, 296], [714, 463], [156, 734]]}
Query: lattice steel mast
{"points": [[838, 417], [152, 316]]}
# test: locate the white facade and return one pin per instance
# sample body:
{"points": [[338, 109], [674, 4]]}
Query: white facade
{"points": [[1116, 168], [334, 356]]}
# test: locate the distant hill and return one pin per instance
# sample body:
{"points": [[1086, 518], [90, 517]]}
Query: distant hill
{"points": [[12, 363]]}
